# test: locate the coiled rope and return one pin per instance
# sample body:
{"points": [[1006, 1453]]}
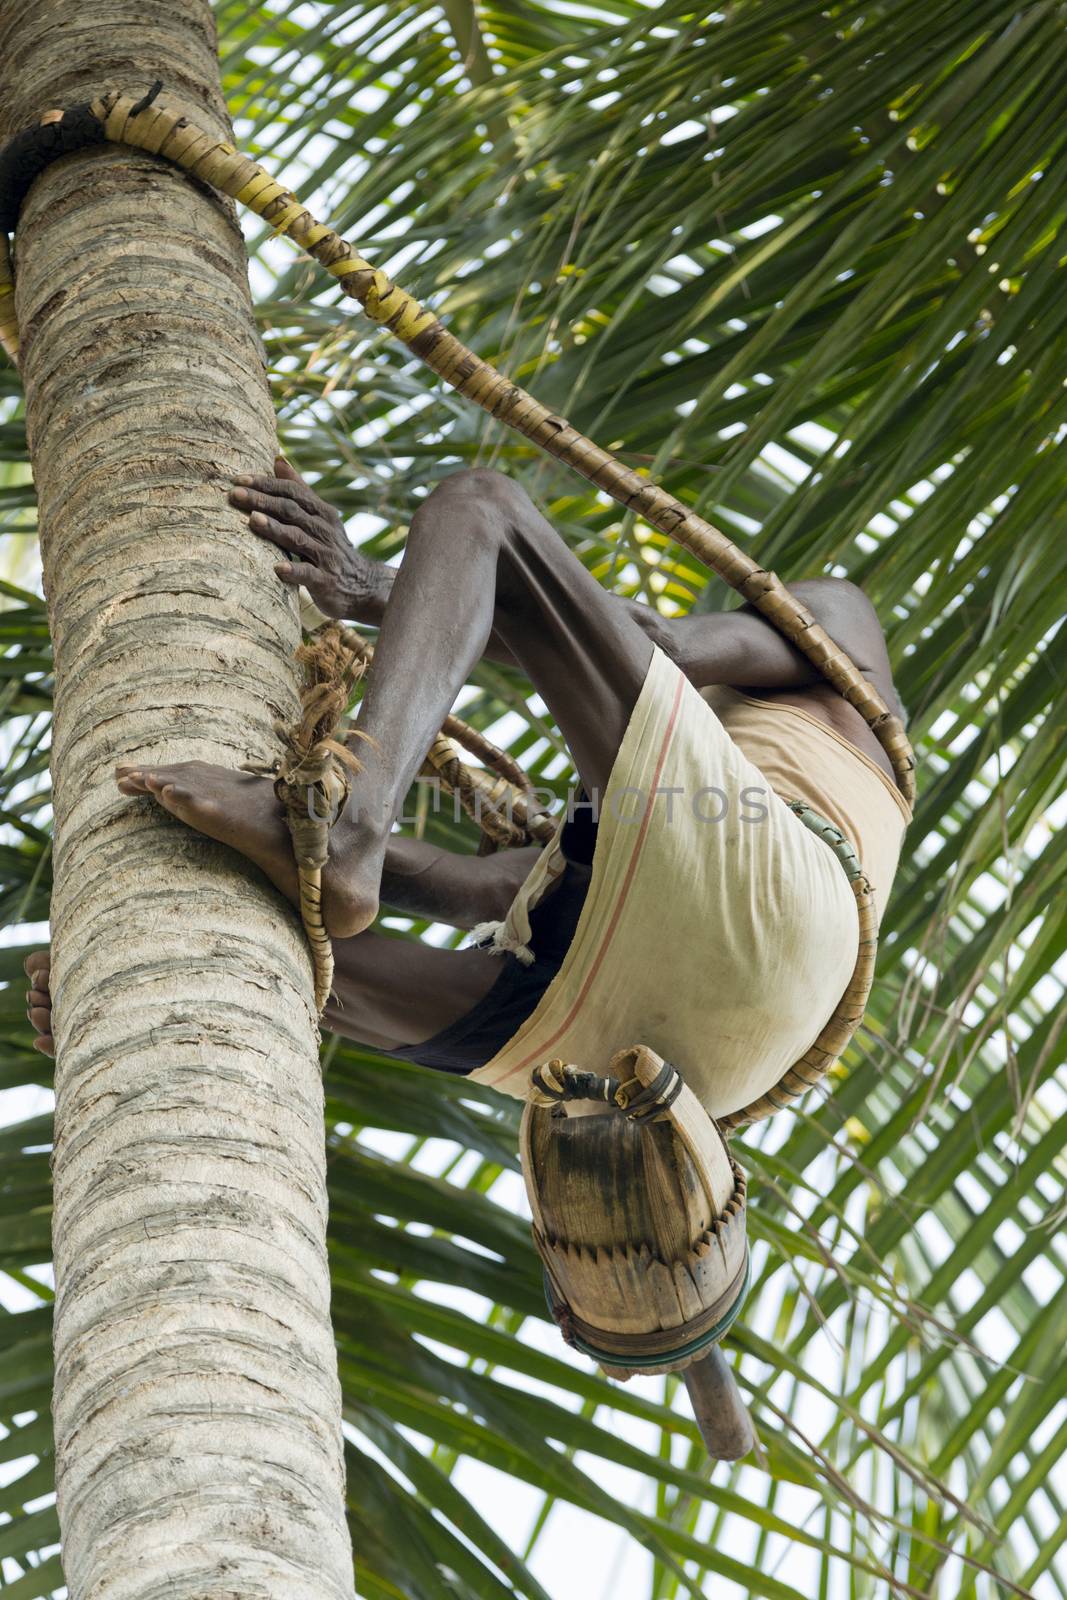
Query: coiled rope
{"points": [[170, 132]]}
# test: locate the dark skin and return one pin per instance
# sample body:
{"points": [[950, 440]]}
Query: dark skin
{"points": [[483, 575]]}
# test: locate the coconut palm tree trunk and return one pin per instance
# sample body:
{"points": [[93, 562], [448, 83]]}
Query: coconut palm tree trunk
{"points": [[197, 1407]]}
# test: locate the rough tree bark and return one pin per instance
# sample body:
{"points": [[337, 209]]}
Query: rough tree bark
{"points": [[197, 1408]]}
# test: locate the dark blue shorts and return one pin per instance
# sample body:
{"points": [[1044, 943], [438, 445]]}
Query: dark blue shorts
{"points": [[475, 1038]]}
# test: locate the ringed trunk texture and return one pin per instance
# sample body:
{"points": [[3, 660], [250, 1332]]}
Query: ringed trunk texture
{"points": [[197, 1406]]}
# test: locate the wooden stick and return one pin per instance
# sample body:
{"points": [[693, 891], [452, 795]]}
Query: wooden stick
{"points": [[721, 1414]]}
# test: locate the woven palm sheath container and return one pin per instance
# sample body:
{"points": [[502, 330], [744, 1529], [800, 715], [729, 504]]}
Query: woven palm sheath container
{"points": [[638, 1213]]}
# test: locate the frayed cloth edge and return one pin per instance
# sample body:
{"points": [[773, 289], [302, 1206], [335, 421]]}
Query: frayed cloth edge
{"points": [[495, 938]]}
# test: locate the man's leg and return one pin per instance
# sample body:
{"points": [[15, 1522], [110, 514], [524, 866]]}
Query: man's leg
{"points": [[422, 880], [479, 556], [387, 993]]}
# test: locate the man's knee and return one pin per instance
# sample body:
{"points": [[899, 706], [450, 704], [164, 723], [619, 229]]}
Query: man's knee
{"points": [[478, 510], [490, 500]]}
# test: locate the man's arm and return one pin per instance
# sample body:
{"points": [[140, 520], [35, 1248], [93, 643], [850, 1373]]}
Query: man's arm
{"points": [[734, 647], [342, 581], [743, 649]]}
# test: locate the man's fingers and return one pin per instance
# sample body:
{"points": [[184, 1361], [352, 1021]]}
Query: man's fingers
{"points": [[282, 509], [285, 535], [286, 489], [45, 1044], [40, 1018], [285, 469], [249, 501], [295, 572]]}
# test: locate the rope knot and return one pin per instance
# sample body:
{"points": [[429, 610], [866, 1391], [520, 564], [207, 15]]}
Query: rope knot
{"points": [[313, 776]]}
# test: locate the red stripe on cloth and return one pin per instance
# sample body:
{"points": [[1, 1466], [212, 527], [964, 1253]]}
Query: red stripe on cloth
{"points": [[616, 912]]}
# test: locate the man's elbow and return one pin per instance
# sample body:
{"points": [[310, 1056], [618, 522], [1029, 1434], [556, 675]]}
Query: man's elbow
{"points": [[837, 595], [841, 608]]}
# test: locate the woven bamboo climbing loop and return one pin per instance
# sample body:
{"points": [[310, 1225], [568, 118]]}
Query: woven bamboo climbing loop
{"points": [[312, 778], [315, 764]]}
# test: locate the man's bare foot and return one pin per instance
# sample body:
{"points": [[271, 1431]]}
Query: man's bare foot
{"points": [[37, 967], [241, 810]]}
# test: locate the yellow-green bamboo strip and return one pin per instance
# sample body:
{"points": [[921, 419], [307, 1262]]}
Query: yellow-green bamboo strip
{"points": [[169, 132]]}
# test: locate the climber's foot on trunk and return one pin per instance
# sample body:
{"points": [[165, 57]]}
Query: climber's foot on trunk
{"points": [[241, 810]]}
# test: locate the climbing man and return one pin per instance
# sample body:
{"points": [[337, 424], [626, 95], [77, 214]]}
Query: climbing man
{"points": [[681, 902]]}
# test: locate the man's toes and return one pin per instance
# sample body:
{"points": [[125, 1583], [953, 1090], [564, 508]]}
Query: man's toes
{"points": [[175, 798], [134, 779], [167, 788], [196, 810]]}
